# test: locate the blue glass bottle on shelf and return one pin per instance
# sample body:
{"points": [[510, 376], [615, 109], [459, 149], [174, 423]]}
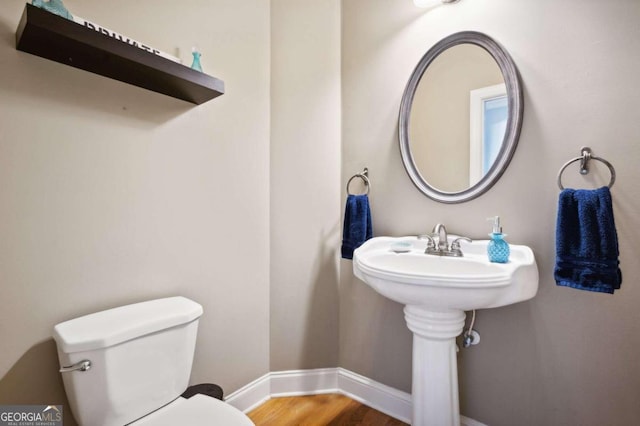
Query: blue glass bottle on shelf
{"points": [[196, 60], [498, 249], [53, 6]]}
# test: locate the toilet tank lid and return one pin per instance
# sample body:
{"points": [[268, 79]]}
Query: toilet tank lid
{"points": [[117, 325]]}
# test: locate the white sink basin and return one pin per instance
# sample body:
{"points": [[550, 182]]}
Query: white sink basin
{"points": [[445, 283], [436, 291]]}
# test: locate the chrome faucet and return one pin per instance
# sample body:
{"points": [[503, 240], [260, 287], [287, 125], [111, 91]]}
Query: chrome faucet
{"points": [[443, 248], [441, 232]]}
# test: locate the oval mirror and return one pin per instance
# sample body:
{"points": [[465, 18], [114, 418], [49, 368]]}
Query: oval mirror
{"points": [[460, 117]]}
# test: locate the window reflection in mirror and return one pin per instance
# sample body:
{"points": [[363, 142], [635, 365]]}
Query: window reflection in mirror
{"points": [[488, 116]]}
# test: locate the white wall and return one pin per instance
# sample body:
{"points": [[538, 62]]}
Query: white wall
{"points": [[305, 183], [567, 357], [112, 194]]}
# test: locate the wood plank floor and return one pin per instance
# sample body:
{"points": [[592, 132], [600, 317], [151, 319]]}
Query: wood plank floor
{"points": [[318, 410]]}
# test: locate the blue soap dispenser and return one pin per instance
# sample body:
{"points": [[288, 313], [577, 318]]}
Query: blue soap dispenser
{"points": [[497, 249]]}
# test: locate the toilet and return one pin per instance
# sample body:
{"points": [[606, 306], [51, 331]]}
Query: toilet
{"points": [[129, 366]]}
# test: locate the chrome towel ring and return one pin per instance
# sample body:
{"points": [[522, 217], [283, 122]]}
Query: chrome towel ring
{"points": [[365, 177], [584, 165]]}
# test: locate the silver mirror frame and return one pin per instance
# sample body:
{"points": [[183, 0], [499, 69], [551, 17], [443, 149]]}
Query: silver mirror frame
{"points": [[514, 121]]}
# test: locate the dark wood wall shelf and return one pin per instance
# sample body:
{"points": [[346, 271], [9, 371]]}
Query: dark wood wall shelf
{"points": [[50, 36]]}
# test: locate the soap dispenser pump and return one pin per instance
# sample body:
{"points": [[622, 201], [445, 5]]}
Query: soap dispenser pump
{"points": [[497, 249]]}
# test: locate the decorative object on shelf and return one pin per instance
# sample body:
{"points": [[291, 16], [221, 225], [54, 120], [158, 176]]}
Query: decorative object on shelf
{"points": [[196, 59], [110, 33], [56, 7], [53, 6], [50, 36]]}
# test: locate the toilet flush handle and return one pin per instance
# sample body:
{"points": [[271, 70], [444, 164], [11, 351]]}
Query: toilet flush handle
{"points": [[83, 365]]}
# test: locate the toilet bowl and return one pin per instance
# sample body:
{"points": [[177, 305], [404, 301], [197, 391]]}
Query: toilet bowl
{"points": [[129, 365]]}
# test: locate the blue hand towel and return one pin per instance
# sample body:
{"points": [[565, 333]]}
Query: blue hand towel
{"points": [[587, 242], [357, 224]]}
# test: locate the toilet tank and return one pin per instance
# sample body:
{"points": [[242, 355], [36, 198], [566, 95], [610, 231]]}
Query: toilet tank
{"points": [[140, 356]]}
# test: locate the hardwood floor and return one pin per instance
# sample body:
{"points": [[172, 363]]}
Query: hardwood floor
{"points": [[318, 410]]}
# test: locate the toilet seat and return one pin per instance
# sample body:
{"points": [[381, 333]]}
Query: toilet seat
{"points": [[199, 410]]}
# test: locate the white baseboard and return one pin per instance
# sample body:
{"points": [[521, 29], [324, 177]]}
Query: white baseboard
{"points": [[252, 395], [466, 421], [304, 382], [388, 400]]}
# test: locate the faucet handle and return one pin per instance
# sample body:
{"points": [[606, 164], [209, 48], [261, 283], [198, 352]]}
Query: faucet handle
{"points": [[456, 245], [430, 241]]}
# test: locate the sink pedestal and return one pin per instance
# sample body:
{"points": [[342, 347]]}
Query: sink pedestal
{"points": [[436, 291], [435, 372]]}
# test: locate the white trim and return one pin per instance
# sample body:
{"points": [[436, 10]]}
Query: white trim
{"points": [[252, 395], [477, 99], [383, 398], [466, 421], [304, 382], [386, 399]]}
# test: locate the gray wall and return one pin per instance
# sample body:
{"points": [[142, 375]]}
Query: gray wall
{"points": [[305, 183], [566, 357], [112, 194]]}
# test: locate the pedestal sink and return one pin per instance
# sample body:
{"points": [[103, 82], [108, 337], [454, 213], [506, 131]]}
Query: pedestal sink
{"points": [[436, 291]]}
